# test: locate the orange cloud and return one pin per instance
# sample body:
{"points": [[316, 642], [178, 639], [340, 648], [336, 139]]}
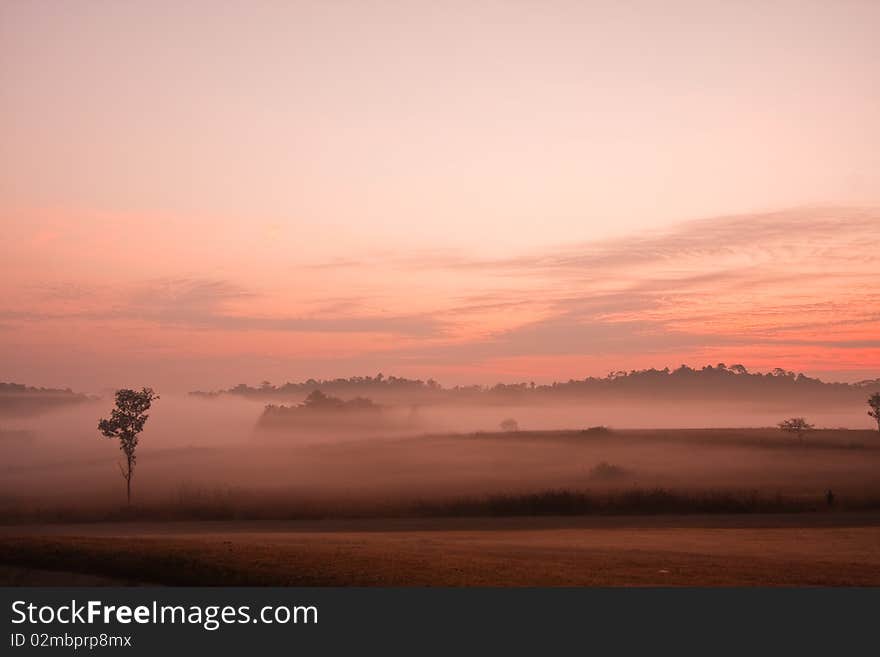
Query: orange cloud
{"points": [[795, 289]]}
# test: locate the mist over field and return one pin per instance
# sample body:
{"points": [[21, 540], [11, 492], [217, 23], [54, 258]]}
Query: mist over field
{"points": [[214, 453]]}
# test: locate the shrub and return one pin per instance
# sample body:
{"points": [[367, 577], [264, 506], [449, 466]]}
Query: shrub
{"points": [[796, 425], [607, 472], [509, 425]]}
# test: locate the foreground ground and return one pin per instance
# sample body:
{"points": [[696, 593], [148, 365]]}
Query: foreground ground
{"points": [[806, 549]]}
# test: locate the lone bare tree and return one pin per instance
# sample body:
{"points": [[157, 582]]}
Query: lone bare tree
{"points": [[127, 421], [874, 403], [796, 425]]}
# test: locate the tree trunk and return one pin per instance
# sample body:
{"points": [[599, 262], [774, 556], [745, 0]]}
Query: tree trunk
{"points": [[128, 483]]}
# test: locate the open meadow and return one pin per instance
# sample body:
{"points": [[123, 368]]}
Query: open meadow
{"points": [[595, 506]]}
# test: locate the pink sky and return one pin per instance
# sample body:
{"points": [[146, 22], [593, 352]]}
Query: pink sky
{"points": [[218, 193]]}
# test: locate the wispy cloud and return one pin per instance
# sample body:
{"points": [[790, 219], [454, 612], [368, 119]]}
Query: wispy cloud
{"points": [[775, 287], [825, 234], [795, 278], [205, 304]]}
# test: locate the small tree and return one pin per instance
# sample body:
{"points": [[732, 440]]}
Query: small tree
{"points": [[127, 421], [874, 403], [509, 425], [796, 425]]}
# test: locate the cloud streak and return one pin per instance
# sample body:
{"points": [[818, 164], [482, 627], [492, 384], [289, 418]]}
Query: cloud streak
{"points": [[204, 304], [793, 279], [794, 288]]}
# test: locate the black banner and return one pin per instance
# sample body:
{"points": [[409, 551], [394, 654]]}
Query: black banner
{"points": [[150, 621]]}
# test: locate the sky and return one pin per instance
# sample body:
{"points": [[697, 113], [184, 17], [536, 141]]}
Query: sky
{"points": [[198, 194]]}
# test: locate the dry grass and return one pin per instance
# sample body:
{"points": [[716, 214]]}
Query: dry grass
{"points": [[443, 553], [231, 504]]}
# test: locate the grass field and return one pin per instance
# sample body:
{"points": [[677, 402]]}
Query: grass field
{"points": [[721, 507], [816, 549], [522, 473]]}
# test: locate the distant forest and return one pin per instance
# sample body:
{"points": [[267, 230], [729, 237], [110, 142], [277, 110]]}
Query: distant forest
{"points": [[319, 408], [719, 382], [19, 399]]}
